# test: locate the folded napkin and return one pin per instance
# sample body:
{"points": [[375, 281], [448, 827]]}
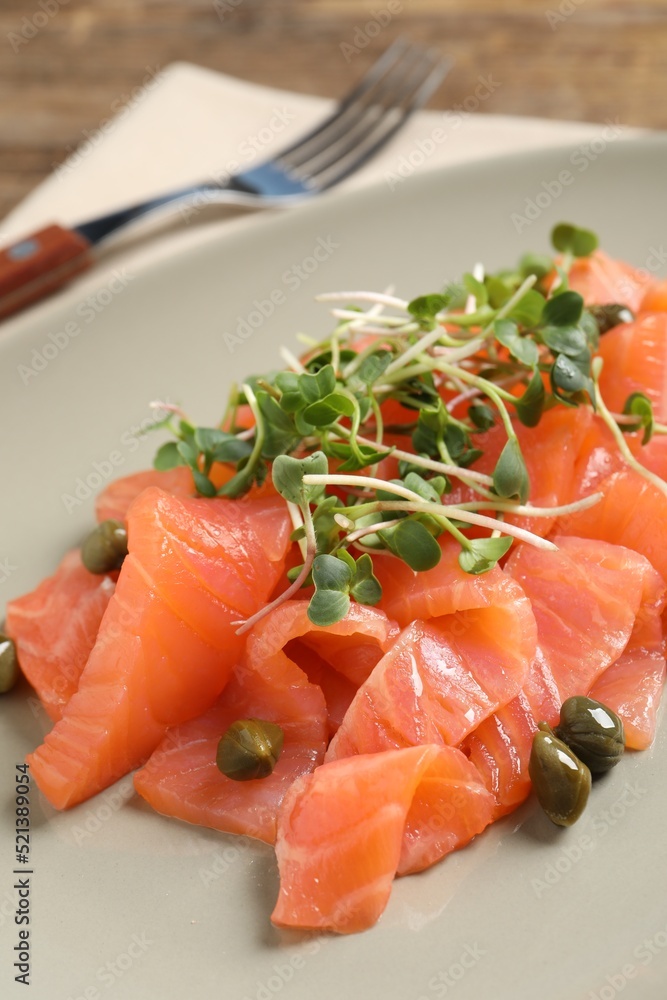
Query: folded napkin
{"points": [[185, 124]]}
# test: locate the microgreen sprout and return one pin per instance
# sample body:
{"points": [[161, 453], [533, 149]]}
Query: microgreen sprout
{"points": [[366, 434]]}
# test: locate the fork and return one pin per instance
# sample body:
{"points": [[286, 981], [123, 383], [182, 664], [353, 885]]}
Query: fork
{"points": [[400, 82]]}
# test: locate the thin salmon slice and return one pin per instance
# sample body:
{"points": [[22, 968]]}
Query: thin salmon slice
{"points": [[632, 512], [500, 750], [633, 685], [443, 675], [602, 280], [55, 627], [115, 500], [550, 451], [586, 598], [635, 360], [395, 812], [181, 778], [167, 643]]}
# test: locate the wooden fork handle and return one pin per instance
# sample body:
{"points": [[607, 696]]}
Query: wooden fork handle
{"points": [[39, 264]]}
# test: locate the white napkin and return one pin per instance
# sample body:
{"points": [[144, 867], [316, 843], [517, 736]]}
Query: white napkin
{"points": [[187, 124]]}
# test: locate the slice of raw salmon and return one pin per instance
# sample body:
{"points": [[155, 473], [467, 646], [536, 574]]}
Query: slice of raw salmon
{"points": [[115, 500], [602, 280], [465, 653], [635, 360], [500, 750], [395, 811], [632, 512], [167, 643], [55, 627], [550, 451], [586, 598], [181, 778], [633, 685]]}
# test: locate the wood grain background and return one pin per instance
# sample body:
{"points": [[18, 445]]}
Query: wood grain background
{"points": [[65, 62]]}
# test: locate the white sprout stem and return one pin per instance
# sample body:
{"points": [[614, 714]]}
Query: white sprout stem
{"points": [[528, 510], [371, 529], [478, 275], [423, 344], [297, 522], [385, 321], [618, 433], [378, 297], [455, 471], [325, 479], [298, 583], [157, 404], [417, 505], [291, 360]]}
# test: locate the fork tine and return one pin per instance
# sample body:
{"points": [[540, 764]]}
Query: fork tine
{"points": [[357, 157], [383, 65], [351, 113], [361, 141]]}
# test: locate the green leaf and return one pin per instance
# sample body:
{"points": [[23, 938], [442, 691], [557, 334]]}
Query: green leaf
{"points": [[326, 411], [365, 587], [538, 264], [425, 307], [510, 476], [319, 385], [523, 349], [288, 384], [528, 310], [353, 463], [425, 489], [476, 288], [640, 406], [188, 453], [482, 554], [208, 438], [570, 340], [563, 309], [530, 405], [330, 602], [373, 366], [331, 573], [416, 546], [326, 607], [572, 375], [203, 484], [572, 239], [168, 457], [498, 291], [482, 416], [287, 474], [280, 434], [345, 557]]}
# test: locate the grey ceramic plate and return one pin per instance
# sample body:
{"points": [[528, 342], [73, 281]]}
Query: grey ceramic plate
{"points": [[127, 904]]}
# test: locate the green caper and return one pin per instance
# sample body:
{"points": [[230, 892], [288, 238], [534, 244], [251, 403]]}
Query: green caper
{"points": [[9, 664], [562, 783], [249, 749], [592, 731], [105, 548], [610, 315]]}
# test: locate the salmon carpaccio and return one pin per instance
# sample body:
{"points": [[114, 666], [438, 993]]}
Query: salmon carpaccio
{"points": [[407, 727]]}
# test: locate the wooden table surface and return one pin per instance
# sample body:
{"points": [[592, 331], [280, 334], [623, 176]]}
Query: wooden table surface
{"points": [[66, 62]]}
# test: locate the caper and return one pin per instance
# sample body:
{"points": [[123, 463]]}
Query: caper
{"points": [[562, 783], [592, 731], [611, 315], [105, 548], [249, 749], [9, 664]]}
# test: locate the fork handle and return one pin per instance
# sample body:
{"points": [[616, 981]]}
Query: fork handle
{"points": [[39, 264]]}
